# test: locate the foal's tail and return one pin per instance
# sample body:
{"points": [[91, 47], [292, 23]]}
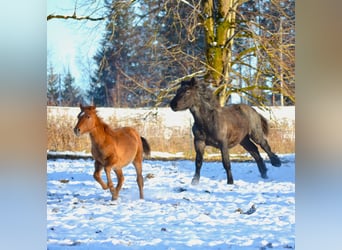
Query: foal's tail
{"points": [[146, 146]]}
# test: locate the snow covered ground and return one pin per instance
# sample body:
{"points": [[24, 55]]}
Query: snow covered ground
{"points": [[174, 214]]}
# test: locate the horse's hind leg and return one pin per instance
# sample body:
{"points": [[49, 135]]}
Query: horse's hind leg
{"points": [[275, 161], [253, 150], [97, 175], [140, 180]]}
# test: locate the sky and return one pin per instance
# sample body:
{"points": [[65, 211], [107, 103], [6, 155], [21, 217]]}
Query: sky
{"points": [[71, 44]]}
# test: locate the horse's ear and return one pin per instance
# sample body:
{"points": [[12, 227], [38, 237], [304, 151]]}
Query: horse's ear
{"points": [[81, 106], [93, 106], [193, 82]]}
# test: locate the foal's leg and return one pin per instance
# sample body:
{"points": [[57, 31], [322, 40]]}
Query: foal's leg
{"points": [[97, 175], [253, 150], [275, 161], [226, 162], [140, 180], [110, 183], [199, 148], [120, 178]]}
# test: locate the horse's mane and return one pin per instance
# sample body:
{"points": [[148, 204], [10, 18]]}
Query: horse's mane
{"points": [[208, 97]]}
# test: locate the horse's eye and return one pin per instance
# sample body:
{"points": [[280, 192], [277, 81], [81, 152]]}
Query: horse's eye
{"points": [[187, 92]]}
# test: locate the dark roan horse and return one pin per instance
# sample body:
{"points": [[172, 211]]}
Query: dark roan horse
{"points": [[112, 149], [222, 127]]}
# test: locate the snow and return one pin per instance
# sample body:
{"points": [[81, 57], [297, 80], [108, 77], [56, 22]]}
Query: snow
{"points": [[174, 213]]}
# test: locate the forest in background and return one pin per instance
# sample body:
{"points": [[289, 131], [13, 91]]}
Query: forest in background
{"points": [[245, 48]]}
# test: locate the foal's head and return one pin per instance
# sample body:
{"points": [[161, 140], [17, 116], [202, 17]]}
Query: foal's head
{"points": [[86, 120]]}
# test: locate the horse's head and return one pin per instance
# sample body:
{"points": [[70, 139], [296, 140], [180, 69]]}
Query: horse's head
{"points": [[86, 120], [186, 95]]}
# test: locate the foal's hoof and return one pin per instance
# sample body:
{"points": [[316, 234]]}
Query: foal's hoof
{"points": [[264, 176], [195, 181]]}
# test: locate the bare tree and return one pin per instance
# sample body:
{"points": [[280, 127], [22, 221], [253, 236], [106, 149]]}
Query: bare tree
{"points": [[237, 46]]}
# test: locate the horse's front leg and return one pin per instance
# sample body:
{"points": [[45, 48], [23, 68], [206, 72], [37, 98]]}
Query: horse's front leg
{"points": [[112, 189], [120, 178], [199, 148], [97, 175], [226, 162]]}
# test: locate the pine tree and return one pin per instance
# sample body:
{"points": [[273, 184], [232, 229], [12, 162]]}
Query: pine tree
{"points": [[143, 49], [96, 92], [71, 94], [52, 87], [114, 53]]}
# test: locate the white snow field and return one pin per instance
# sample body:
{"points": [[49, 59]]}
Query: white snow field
{"points": [[251, 214]]}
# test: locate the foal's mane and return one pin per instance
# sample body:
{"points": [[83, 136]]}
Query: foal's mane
{"points": [[106, 126], [99, 120]]}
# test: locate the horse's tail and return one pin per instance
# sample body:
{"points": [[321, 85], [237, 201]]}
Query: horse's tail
{"points": [[146, 146], [264, 125]]}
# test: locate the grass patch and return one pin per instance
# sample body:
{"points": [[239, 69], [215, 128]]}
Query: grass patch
{"points": [[60, 137]]}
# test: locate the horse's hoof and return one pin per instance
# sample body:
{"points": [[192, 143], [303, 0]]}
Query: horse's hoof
{"points": [[275, 161], [264, 176], [194, 181], [230, 182]]}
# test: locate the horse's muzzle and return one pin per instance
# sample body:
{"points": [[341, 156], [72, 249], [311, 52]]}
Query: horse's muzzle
{"points": [[77, 131], [173, 106]]}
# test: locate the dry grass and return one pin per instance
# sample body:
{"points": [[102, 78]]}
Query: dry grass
{"points": [[60, 137]]}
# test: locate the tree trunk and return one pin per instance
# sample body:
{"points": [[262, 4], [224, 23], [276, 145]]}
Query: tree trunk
{"points": [[219, 24]]}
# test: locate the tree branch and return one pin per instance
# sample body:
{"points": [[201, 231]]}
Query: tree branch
{"points": [[74, 16]]}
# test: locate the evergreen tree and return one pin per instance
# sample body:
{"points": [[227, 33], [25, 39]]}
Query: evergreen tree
{"points": [[143, 49], [52, 87], [113, 55], [96, 92], [71, 94]]}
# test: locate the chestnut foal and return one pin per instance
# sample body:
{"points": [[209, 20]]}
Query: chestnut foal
{"points": [[112, 149]]}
